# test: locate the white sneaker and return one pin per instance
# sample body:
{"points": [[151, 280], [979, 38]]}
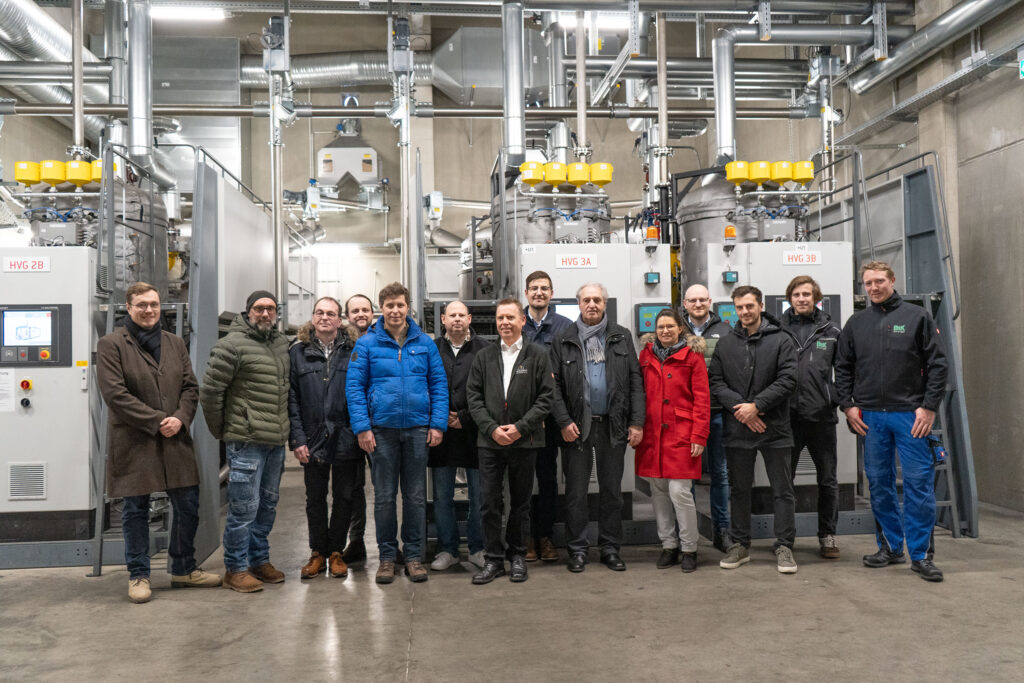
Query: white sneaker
{"points": [[139, 591], [477, 559], [443, 561]]}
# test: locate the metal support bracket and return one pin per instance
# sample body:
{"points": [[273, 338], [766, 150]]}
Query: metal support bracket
{"points": [[629, 50], [764, 20], [878, 18]]}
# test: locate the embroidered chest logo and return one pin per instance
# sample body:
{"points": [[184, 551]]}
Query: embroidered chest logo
{"points": [[899, 329], [521, 370], [822, 345]]}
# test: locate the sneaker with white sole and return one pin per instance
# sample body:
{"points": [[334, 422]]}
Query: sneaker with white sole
{"points": [[443, 560], [787, 565], [735, 556], [477, 559], [139, 590]]}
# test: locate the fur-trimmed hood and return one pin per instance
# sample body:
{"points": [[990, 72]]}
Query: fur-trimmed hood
{"points": [[305, 333]]}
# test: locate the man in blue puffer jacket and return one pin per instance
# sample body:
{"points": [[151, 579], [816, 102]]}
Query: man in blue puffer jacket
{"points": [[397, 395]]}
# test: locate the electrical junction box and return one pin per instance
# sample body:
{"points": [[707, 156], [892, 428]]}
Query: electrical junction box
{"points": [[646, 317], [652, 278], [730, 277]]}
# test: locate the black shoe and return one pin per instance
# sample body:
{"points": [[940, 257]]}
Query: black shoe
{"points": [[721, 540], [518, 574], [354, 552], [613, 562], [668, 557], [883, 558], [490, 572], [689, 562], [577, 562], [927, 570]]}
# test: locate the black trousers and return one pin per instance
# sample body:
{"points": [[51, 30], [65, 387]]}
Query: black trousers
{"points": [[358, 526], [520, 465], [546, 502], [327, 536], [820, 440], [741, 483], [578, 460]]}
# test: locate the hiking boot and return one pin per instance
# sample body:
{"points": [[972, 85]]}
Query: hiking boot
{"points": [[668, 557], [784, 555], [139, 590], [689, 562], [415, 570], [883, 558], [386, 572], [266, 573], [314, 567], [548, 551], [927, 570], [196, 579], [443, 560], [531, 551], [735, 556], [354, 552], [242, 581], [829, 549], [336, 566]]}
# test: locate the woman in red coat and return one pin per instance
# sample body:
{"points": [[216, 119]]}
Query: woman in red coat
{"points": [[678, 422]]}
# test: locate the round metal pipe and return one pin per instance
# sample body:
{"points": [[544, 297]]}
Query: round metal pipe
{"points": [[115, 48], [581, 82], [97, 72], [662, 56], [140, 80], [77, 76], [514, 96]]}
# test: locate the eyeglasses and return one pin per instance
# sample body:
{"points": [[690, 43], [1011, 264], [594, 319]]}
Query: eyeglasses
{"points": [[324, 314], [538, 288], [264, 309], [696, 301], [146, 306]]}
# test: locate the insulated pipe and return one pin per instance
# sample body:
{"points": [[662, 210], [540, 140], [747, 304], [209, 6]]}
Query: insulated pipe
{"points": [[114, 47], [558, 91], [514, 97], [723, 53], [662, 55], [581, 84], [335, 69], [140, 82], [939, 33], [77, 78]]}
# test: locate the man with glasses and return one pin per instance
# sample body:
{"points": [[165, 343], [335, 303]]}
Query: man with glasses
{"points": [[705, 323], [245, 402], [542, 326]]}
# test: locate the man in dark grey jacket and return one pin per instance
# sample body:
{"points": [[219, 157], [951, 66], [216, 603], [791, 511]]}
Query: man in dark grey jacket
{"points": [[753, 373], [509, 393], [599, 406]]}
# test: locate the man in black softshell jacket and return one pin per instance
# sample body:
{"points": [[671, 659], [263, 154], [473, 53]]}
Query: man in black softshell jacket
{"points": [[890, 380], [509, 393], [813, 405], [753, 374]]}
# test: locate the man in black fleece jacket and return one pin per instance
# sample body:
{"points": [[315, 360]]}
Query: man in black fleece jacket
{"points": [[890, 380], [753, 373]]}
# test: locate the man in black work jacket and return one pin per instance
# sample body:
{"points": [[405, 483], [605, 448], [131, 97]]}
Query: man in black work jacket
{"points": [[753, 374], [890, 379], [509, 393], [813, 407], [599, 406]]}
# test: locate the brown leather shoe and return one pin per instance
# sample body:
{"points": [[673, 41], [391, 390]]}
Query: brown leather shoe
{"points": [[313, 568], [548, 551], [243, 582], [386, 572], [531, 551], [267, 574], [337, 566], [415, 570]]}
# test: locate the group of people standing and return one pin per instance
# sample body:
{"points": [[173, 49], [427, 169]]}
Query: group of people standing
{"points": [[504, 411]]}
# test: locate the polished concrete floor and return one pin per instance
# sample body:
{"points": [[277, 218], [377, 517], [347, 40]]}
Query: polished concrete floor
{"points": [[833, 620]]}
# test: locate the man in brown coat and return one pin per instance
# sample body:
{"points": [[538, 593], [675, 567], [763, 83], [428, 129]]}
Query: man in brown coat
{"points": [[147, 382]]}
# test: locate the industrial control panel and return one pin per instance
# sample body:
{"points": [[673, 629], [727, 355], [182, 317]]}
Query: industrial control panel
{"points": [[35, 335]]}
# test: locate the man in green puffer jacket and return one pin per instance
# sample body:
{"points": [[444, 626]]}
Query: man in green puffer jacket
{"points": [[245, 402]]}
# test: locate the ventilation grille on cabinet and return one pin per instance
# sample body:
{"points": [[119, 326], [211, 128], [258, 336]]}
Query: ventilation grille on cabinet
{"points": [[27, 481]]}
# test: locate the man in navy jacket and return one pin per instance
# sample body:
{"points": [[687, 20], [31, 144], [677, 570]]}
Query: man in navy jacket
{"points": [[397, 395]]}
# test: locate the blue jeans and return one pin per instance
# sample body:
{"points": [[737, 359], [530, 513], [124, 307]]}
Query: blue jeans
{"points": [[254, 485], [399, 459], [718, 468], [444, 510], [888, 434], [184, 522]]}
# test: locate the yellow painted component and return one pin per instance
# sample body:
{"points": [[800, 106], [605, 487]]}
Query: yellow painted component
{"points": [[81, 363], [601, 173], [737, 172], [26, 172], [531, 172], [782, 172], [759, 172], [53, 172], [554, 173], [803, 171], [172, 256], [78, 172], [579, 173]]}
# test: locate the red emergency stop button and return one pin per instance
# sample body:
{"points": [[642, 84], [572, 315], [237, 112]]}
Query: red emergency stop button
{"points": [[44, 354], [26, 384]]}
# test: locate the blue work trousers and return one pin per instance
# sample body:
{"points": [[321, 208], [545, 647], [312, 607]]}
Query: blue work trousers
{"points": [[254, 486], [718, 468]]}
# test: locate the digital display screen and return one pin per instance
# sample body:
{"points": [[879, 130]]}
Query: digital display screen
{"points": [[570, 311], [27, 328]]}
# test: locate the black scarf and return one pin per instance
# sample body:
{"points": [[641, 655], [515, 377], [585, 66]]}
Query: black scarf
{"points": [[149, 339]]}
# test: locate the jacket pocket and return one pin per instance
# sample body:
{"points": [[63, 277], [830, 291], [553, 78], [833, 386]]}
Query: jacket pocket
{"points": [[681, 431]]}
